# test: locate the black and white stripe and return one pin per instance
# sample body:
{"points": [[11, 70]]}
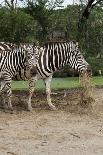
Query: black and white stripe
{"points": [[6, 46], [14, 61], [52, 56], [57, 55], [49, 58]]}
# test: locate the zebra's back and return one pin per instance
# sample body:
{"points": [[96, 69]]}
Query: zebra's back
{"points": [[52, 57]]}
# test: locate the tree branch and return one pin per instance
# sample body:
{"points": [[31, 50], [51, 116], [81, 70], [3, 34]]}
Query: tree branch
{"points": [[8, 3], [89, 7], [87, 11], [96, 3], [11, 6]]}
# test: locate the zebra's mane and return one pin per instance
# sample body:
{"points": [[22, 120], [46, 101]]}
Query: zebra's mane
{"points": [[52, 42], [57, 42], [6, 47]]}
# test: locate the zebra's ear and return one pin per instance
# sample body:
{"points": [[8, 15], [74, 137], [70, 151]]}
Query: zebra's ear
{"points": [[77, 44], [37, 43]]}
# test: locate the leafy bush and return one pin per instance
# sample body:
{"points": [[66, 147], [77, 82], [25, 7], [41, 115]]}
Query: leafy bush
{"points": [[16, 26]]}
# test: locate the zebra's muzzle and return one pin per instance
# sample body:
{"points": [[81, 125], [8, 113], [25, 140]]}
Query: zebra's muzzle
{"points": [[33, 71]]}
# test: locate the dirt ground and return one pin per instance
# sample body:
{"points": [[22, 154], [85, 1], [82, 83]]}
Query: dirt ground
{"points": [[70, 130]]}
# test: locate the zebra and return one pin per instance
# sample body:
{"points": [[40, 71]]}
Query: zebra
{"points": [[6, 46], [52, 56], [14, 61], [49, 58]]}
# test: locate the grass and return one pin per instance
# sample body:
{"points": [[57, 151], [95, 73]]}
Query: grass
{"points": [[98, 80], [57, 83]]}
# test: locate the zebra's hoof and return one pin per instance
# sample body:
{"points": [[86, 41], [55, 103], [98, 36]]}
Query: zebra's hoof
{"points": [[9, 110], [7, 107], [29, 108], [52, 107]]}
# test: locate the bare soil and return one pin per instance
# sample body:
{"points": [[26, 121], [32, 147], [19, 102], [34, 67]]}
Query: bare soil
{"points": [[70, 130]]}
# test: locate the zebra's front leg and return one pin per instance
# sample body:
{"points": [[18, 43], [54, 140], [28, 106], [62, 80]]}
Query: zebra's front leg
{"points": [[7, 90], [32, 82], [9, 96], [48, 92]]}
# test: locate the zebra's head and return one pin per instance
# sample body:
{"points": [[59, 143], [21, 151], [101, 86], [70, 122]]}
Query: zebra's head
{"points": [[76, 59], [30, 57], [37, 50]]}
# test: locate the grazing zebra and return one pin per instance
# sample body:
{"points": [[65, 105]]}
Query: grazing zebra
{"points": [[54, 56], [15, 61]]}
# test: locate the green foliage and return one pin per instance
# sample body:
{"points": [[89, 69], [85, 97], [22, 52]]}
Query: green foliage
{"points": [[41, 11], [39, 20], [67, 71], [41, 14], [15, 26], [96, 64]]}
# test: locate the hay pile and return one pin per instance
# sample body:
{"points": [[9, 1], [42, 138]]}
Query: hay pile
{"points": [[87, 90]]}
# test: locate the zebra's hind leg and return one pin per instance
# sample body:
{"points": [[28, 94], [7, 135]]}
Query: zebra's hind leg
{"points": [[48, 92], [32, 82], [6, 94]]}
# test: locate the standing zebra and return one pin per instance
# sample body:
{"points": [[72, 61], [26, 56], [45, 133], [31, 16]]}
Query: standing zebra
{"points": [[14, 61], [54, 56]]}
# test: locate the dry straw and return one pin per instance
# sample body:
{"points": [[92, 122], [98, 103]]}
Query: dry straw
{"points": [[87, 90]]}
